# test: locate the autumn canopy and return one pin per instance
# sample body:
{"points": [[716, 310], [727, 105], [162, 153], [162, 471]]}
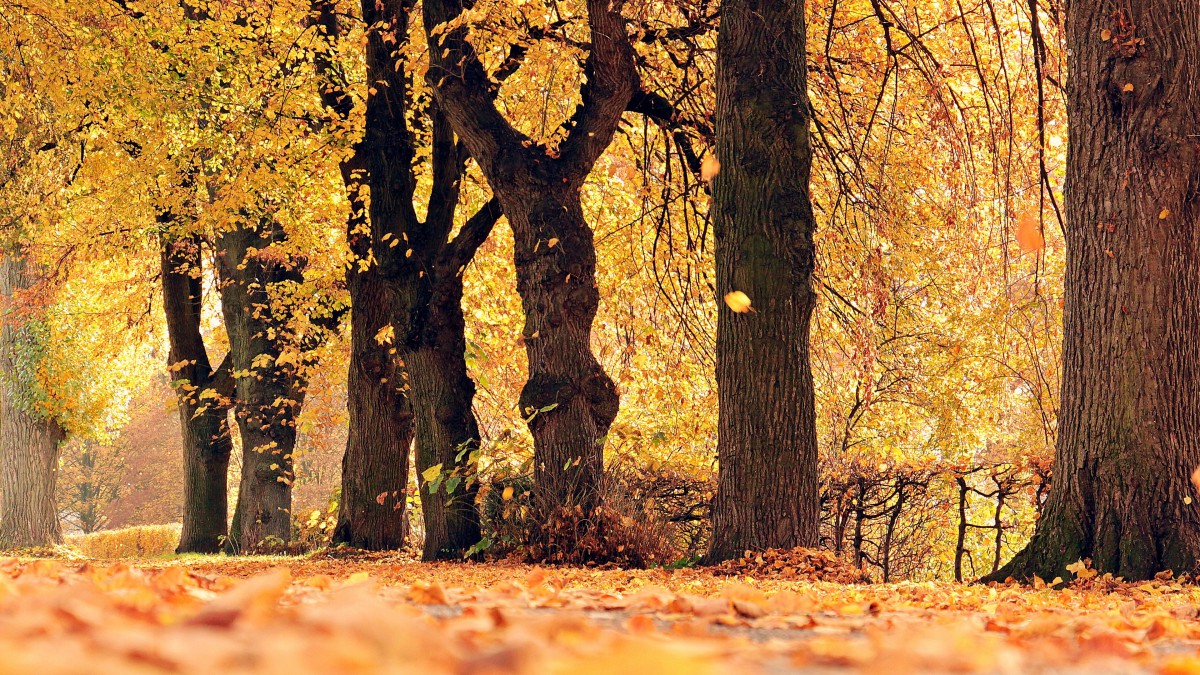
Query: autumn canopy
{"points": [[817, 293]]}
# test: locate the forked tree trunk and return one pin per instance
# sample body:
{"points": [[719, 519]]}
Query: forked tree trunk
{"points": [[408, 372], [29, 442], [204, 418], [1129, 426], [569, 400], [442, 392], [767, 488]]}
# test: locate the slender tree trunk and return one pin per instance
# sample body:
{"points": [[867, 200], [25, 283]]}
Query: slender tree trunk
{"points": [[204, 418], [29, 441], [767, 487], [447, 431], [1129, 427], [270, 392], [960, 543]]}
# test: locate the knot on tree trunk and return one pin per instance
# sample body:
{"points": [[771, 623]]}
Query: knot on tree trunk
{"points": [[545, 392]]}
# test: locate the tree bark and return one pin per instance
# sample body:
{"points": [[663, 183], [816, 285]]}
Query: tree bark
{"points": [[408, 372], [29, 441], [268, 393], [569, 400], [203, 417], [1129, 427], [443, 393], [767, 491]]}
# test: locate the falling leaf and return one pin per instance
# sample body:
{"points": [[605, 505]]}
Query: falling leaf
{"points": [[553, 242], [709, 168], [1164, 214], [738, 301], [507, 494], [1128, 88], [1029, 234]]}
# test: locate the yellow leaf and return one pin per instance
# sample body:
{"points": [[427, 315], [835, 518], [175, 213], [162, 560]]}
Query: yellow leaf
{"points": [[709, 168], [507, 494], [738, 302], [553, 242], [1128, 87], [432, 472]]}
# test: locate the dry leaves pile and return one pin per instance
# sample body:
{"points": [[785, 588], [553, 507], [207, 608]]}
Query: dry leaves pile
{"points": [[798, 564], [331, 616]]}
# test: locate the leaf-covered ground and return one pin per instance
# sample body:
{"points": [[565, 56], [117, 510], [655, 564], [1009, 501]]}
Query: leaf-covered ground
{"points": [[212, 615]]}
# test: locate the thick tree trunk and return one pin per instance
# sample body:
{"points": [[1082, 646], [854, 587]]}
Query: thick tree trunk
{"points": [[1129, 427], [568, 401], [29, 442], [375, 467], [269, 398], [207, 444], [767, 493], [29, 449]]}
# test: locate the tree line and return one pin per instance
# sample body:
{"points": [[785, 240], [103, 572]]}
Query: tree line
{"points": [[430, 130]]}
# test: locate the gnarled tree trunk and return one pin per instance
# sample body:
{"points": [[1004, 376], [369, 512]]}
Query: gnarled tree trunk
{"points": [[29, 441], [1129, 427], [767, 489], [569, 400]]}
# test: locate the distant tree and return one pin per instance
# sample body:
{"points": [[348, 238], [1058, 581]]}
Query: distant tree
{"points": [[1129, 425], [767, 494], [89, 481]]}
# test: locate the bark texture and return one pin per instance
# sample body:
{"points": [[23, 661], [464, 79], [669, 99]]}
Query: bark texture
{"points": [[268, 391], [1129, 426], [29, 441], [207, 444], [408, 372], [767, 494], [569, 400]]}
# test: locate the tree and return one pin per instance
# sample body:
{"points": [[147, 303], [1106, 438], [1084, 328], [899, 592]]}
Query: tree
{"points": [[767, 493], [1128, 431], [30, 440], [408, 369], [89, 481], [203, 417], [269, 384], [568, 401]]}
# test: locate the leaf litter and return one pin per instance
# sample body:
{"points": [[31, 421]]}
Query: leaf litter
{"points": [[349, 616]]}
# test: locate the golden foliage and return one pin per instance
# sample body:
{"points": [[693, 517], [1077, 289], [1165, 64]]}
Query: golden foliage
{"points": [[142, 541]]}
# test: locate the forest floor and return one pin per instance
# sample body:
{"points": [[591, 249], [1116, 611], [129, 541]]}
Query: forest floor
{"points": [[304, 615]]}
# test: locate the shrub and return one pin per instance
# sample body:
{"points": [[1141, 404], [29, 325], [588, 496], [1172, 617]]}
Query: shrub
{"points": [[143, 541]]}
